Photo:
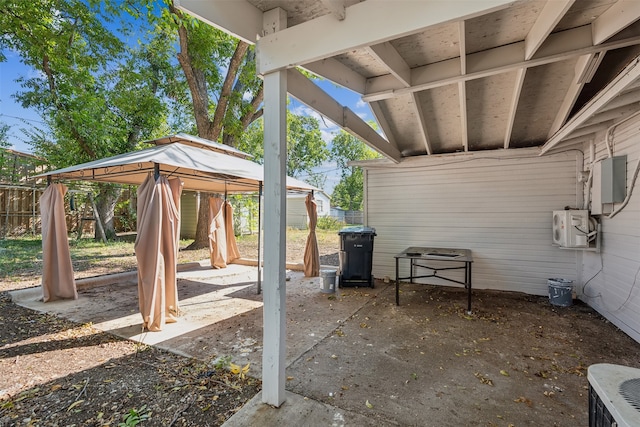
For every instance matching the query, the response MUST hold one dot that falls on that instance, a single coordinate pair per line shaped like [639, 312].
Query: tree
[224, 104]
[305, 147]
[97, 96]
[348, 193]
[4, 135]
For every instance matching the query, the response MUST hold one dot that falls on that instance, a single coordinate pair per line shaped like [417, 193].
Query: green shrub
[329, 223]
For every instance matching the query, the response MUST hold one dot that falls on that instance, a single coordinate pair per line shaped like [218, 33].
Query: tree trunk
[202, 226]
[106, 200]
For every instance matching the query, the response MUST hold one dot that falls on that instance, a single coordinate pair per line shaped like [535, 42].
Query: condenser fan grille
[630, 390]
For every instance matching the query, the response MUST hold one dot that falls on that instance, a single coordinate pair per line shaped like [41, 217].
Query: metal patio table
[424, 258]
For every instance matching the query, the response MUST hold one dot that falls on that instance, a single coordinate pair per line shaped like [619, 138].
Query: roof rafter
[307, 92]
[381, 118]
[463, 47]
[339, 73]
[419, 112]
[517, 89]
[549, 17]
[388, 56]
[561, 46]
[585, 67]
[627, 77]
[462, 96]
[616, 18]
[366, 23]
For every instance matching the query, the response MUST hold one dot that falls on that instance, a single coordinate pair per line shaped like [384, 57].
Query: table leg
[410, 270]
[468, 280]
[397, 284]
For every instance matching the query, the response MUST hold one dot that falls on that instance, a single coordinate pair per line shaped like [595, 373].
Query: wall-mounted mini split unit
[572, 228]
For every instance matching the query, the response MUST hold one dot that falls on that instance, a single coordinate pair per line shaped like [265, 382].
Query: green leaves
[348, 193]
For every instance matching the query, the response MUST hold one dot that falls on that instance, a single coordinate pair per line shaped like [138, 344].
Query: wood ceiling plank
[336, 7]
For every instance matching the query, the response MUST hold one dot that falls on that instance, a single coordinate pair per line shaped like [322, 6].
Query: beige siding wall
[497, 204]
[188, 214]
[296, 213]
[610, 280]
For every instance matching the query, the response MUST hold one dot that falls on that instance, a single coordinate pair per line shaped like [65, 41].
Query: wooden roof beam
[559, 47]
[615, 19]
[381, 118]
[585, 67]
[388, 56]
[238, 17]
[551, 14]
[627, 77]
[366, 23]
[417, 108]
[307, 92]
[339, 73]
[515, 97]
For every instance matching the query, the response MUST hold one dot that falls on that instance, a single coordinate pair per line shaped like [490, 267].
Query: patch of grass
[19, 255]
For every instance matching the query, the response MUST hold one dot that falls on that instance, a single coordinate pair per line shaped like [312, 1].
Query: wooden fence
[19, 210]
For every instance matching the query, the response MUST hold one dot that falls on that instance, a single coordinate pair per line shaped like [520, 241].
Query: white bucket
[328, 281]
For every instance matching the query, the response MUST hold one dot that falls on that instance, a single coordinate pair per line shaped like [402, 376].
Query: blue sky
[11, 112]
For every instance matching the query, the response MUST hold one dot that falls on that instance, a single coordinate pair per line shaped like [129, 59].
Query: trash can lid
[358, 229]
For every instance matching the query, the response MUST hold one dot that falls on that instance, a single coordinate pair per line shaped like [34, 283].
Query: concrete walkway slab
[297, 411]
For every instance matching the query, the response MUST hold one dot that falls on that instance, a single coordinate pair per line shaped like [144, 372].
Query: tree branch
[227, 88]
[195, 79]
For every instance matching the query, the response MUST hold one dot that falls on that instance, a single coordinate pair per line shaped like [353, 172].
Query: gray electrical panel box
[614, 179]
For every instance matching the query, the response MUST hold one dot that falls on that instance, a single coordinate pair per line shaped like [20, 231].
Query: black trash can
[356, 254]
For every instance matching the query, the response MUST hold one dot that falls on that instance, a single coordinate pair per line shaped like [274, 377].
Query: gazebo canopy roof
[200, 169]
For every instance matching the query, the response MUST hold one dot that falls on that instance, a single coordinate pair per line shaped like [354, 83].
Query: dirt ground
[56, 372]
[515, 361]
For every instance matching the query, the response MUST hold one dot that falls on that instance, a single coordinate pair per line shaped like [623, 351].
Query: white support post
[274, 286]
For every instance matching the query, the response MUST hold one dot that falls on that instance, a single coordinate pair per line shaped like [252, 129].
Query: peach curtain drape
[156, 250]
[311, 252]
[57, 270]
[223, 248]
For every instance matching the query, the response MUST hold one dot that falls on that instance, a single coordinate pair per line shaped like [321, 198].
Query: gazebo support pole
[274, 295]
[259, 238]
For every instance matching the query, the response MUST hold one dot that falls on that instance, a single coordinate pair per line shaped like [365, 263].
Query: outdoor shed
[493, 115]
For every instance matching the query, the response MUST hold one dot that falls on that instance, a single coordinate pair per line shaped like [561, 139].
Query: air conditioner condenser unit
[614, 395]
[571, 228]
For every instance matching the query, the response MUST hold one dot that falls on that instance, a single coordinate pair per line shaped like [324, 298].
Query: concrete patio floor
[355, 358]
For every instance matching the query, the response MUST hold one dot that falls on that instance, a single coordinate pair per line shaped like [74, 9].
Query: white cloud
[361, 103]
